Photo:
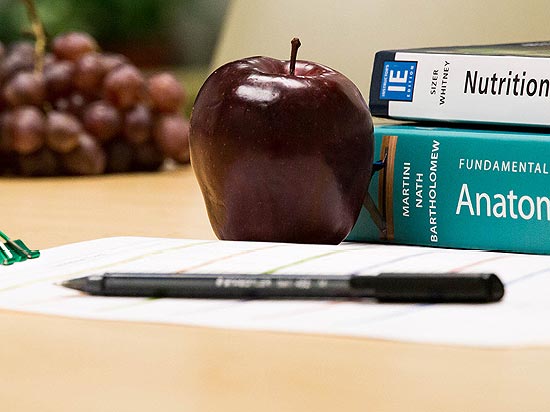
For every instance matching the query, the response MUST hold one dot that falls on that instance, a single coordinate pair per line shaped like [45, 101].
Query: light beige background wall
[346, 34]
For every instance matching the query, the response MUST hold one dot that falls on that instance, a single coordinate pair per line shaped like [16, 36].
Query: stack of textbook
[471, 169]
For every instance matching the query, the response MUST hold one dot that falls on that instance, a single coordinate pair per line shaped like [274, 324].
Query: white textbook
[520, 319]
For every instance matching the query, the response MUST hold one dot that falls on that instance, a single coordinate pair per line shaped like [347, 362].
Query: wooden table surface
[47, 212]
[332, 372]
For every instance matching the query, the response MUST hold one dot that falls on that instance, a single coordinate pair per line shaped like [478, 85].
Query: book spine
[379, 106]
[461, 88]
[459, 188]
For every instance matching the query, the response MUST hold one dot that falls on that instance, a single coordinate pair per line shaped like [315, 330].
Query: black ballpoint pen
[385, 287]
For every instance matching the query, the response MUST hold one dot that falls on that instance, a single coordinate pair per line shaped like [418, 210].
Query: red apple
[282, 150]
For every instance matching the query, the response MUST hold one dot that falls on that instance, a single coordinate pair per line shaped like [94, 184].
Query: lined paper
[520, 319]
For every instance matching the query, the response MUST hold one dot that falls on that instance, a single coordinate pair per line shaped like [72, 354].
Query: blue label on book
[398, 81]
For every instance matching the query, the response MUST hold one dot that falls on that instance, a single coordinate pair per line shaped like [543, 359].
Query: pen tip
[77, 284]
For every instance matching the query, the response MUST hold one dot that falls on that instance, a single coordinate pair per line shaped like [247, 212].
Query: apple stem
[295, 43]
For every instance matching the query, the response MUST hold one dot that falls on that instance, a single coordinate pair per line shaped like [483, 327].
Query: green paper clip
[18, 250]
[6, 257]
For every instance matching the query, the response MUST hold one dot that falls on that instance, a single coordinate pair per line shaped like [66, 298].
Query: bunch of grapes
[86, 112]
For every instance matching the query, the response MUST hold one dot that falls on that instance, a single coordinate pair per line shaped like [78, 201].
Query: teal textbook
[461, 188]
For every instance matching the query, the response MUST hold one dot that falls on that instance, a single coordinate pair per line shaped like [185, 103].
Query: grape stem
[39, 34]
[295, 44]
